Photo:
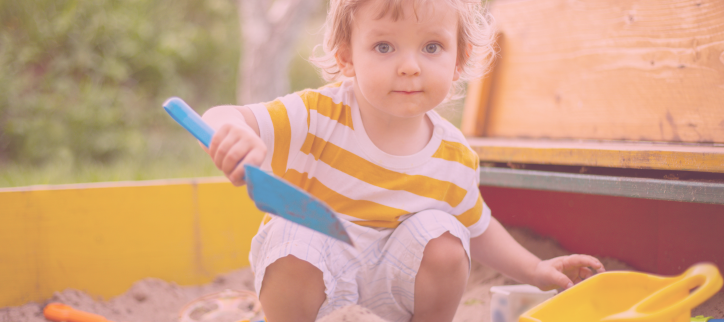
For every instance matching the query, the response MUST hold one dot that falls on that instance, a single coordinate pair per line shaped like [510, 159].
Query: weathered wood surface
[609, 70]
[477, 99]
[474, 111]
[687, 191]
[631, 155]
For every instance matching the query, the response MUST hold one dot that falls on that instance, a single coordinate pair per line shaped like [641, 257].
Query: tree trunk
[269, 32]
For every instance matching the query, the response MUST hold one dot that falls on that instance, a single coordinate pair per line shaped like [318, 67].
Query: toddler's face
[406, 67]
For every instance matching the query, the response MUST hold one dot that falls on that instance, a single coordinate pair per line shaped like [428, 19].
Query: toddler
[403, 180]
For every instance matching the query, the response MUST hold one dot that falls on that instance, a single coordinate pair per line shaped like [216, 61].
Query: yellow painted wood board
[477, 97]
[636, 155]
[474, 109]
[101, 238]
[629, 70]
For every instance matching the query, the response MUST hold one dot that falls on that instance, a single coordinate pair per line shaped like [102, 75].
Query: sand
[352, 313]
[148, 300]
[154, 300]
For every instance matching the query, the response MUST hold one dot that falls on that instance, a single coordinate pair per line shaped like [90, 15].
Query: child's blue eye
[383, 48]
[432, 48]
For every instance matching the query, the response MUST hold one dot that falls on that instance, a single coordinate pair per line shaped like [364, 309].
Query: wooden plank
[687, 191]
[703, 158]
[477, 99]
[473, 120]
[101, 238]
[641, 70]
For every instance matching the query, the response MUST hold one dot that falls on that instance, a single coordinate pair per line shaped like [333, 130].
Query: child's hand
[232, 146]
[564, 271]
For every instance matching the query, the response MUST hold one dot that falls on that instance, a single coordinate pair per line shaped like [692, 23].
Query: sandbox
[160, 301]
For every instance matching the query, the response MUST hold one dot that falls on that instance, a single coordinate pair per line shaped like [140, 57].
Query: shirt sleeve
[282, 128]
[479, 227]
[477, 217]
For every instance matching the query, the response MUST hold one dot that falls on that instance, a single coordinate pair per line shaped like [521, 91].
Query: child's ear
[456, 74]
[344, 61]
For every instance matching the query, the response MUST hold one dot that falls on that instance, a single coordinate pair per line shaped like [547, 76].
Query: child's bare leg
[292, 290]
[441, 279]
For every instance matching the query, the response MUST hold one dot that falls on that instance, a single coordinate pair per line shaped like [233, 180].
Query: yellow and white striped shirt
[316, 141]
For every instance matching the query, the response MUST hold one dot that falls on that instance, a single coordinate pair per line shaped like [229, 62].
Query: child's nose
[408, 66]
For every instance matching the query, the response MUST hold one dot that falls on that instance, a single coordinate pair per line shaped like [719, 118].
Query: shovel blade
[271, 194]
[275, 196]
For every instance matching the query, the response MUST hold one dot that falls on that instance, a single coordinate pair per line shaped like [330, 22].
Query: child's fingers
[237, 177]
[583, 261]
[561, 280]
[599, 268]
[254, 157]
[236, 154]
[584, 273]
[216, 140]
[221, 143]
[231, 147]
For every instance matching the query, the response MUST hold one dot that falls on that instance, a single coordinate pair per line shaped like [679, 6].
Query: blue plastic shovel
[270, 193]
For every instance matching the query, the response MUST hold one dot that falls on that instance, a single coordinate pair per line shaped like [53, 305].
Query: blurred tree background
[82, 83]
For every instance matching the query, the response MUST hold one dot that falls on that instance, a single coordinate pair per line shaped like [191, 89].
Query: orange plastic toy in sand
[225, 306]
[64, 313]
[630, 297]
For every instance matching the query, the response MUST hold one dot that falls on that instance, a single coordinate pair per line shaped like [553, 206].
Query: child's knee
[289, 274]
[293, 268]
[292, 289]
[445, 254]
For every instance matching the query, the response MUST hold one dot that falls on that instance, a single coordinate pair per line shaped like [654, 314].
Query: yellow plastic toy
[630, 297]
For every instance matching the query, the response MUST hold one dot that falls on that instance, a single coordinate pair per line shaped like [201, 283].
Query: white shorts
[378, 274]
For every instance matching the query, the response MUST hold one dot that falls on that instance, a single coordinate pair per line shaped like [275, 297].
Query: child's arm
[497, 249]
[236, 141]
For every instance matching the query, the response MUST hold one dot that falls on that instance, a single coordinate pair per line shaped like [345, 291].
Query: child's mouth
[407, 92]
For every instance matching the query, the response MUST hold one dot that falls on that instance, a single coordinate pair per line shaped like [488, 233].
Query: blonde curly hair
[476, 35]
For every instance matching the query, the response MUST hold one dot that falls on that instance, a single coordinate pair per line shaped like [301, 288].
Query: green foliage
[83, 81]
[163, 159]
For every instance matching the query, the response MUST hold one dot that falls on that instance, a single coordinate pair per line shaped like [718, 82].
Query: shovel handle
[63, 313]
[189, 119]
[705, 276]
[184, 115]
